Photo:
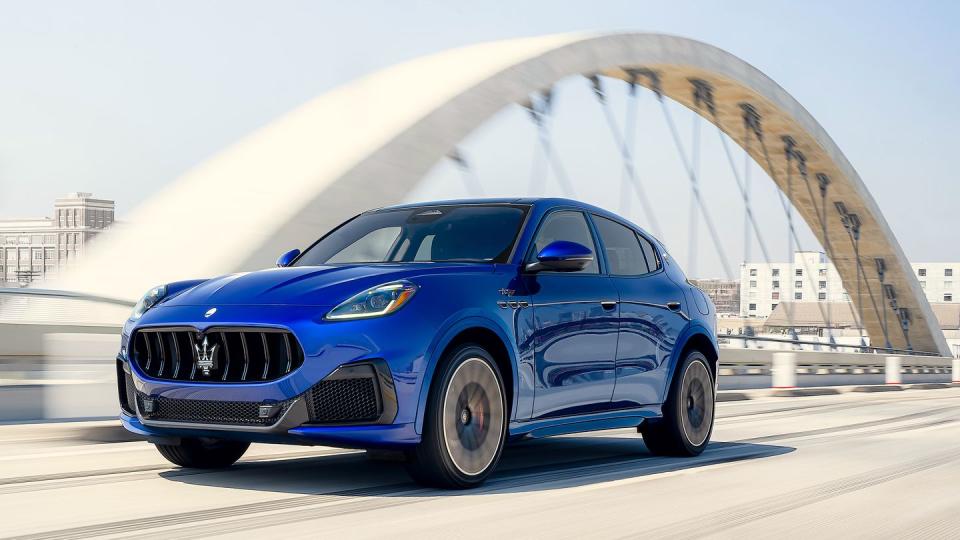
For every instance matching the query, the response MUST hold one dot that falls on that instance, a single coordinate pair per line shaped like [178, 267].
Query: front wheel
[465, 423]
[687, 421]
[203, 453]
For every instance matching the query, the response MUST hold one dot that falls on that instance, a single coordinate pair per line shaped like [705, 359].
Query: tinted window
[622, 248]
[569, 226]
[653, 261]
[469, 233]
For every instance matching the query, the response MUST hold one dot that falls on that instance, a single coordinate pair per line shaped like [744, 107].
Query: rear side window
[622, 248]
[653, 261]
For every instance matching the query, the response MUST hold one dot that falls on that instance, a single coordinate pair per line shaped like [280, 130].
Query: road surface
[851, 465]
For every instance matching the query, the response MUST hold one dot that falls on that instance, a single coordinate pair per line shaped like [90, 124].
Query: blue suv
[443, 330]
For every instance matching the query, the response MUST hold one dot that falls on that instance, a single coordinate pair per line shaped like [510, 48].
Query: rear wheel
[465, 422]
[687, 421]
[203, 453]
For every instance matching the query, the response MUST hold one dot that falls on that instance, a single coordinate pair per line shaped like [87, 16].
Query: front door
[575, 326]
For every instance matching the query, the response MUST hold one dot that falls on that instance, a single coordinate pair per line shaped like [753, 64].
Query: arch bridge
[369, 142]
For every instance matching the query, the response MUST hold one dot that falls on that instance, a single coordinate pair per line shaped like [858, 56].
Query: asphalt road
[851, 466]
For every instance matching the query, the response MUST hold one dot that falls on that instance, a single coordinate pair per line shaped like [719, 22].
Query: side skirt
[562, 425]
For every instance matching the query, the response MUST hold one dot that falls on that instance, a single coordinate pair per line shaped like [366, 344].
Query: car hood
[307, 285]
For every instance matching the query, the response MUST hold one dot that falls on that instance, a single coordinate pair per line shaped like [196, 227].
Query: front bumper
[393, 353]
[370, 436]
[314, 417]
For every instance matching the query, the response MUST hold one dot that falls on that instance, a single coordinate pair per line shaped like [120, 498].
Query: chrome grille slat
[193, 355]
[266, 355]
[159, 353]
[226, 350]
[176, 354]
[246, 357]
[286, 344]
[149, 356]
[163, 357]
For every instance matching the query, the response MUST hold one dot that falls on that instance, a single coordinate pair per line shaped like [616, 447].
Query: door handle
[608, 304]
[673, 306]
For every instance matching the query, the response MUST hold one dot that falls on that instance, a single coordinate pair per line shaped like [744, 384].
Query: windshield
[464, 233]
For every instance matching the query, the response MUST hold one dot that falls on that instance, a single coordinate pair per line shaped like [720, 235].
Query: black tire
[465, 422]
[203, 453]
[688, 413]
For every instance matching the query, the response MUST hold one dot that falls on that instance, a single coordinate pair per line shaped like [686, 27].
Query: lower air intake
[198, 411]
[350, 395]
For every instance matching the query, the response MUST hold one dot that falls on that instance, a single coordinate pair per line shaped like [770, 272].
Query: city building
[39, 249]
[810, 277]
[724, 293]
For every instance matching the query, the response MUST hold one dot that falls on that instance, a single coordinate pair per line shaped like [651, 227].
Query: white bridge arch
[368, 143]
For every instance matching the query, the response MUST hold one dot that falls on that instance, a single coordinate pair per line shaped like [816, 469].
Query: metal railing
[799, 344]
[68, 295]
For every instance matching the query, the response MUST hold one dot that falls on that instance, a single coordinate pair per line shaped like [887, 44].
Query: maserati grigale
[440, 330]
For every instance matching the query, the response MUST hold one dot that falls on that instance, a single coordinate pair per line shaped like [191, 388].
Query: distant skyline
[120, 98]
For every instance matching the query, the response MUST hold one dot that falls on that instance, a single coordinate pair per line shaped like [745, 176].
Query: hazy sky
[120, 97]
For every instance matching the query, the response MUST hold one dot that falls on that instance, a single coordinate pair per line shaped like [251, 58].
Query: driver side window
[570, 226]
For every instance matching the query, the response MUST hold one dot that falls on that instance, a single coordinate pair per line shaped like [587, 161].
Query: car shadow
[526, 466]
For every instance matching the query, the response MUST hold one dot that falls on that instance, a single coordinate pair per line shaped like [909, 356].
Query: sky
[119, 98]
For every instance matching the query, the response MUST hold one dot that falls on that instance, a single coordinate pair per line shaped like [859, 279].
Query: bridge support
[893, 371]
[784, 370]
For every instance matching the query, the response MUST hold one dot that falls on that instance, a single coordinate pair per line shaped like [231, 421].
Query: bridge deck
[822, 466]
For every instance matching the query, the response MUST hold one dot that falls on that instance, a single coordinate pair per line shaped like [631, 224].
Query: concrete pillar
[956, 370]
[892, 370]
[784, 370]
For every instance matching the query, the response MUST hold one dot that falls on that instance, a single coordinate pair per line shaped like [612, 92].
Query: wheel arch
[484, 332]
[697, 337]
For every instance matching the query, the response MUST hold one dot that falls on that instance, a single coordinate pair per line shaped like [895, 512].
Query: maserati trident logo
[206, 356]
[209, 312]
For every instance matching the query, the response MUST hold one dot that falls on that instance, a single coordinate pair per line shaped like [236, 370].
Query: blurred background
[146, 142]
[107, 106]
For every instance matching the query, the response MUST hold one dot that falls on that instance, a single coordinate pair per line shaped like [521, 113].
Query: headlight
[149, 300]
[374, 302]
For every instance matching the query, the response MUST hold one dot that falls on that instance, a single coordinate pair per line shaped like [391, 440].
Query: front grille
[349, 395]
[231, 354]
[200, 411]
[125, 389]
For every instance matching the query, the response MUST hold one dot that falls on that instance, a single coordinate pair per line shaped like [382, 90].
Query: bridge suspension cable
[624, 144]
[752, 119]
[540, 109]
[467, 173]
[694, 226]
[694, 185]
[851, 222]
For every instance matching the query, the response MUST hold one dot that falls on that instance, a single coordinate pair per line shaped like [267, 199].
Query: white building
[38, 249]
[810, 277]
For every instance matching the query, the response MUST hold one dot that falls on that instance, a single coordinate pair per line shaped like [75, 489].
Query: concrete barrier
[784, 370]
[74, 376]
[893, 371]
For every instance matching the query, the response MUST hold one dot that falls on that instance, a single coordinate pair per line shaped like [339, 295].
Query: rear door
[648, 325]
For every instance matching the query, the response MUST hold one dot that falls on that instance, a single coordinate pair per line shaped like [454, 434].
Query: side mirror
[562, 256]
[288, 258]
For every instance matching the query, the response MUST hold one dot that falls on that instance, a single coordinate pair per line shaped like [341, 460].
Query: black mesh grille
[345, 400]
[126, 389]
[230, 355]
[202, 411]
